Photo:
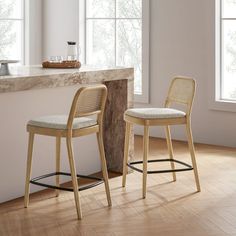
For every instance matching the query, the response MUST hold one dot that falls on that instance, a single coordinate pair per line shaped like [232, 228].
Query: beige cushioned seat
[155, 113]
[60, 122]
[181, 92]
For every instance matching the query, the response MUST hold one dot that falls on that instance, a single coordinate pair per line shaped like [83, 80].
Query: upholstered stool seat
[155, 113]
[181, 92]
[85, 117]
[60, 122]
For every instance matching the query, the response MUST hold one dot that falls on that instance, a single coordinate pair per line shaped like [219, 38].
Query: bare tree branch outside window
[114, 35]
[228, 47]
[10, 29]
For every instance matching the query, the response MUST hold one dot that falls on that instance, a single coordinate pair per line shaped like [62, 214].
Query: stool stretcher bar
[36, 179]
[188, 167]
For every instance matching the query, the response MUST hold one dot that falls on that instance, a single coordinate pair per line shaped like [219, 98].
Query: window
[115, 33]
[11, 29]
[228, 50]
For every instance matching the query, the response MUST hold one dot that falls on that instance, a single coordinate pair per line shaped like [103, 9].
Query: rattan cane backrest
[88, 101]
[181, 91]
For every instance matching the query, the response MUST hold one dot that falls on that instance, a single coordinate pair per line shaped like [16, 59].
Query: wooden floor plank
[171, 208]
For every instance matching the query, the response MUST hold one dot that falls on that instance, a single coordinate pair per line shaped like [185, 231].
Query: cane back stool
[181, 91]
[85, 117]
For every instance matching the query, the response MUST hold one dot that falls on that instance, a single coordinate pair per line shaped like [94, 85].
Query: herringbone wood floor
[170, 209]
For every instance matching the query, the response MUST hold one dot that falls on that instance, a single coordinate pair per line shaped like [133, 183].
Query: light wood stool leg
[126, 152]
[58, 166]
[73, 176]
[145, 158]
[104, 166]
[28, 168]
[170, 150]
[192, 152]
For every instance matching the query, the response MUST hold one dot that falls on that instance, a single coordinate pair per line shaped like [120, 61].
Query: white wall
[59, 26]
[181, 43]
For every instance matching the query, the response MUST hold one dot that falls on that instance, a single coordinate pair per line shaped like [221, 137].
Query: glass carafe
[72, 51]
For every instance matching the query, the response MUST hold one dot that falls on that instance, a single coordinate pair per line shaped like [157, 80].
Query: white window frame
[139, 98]
[22, 20]
[215, 101]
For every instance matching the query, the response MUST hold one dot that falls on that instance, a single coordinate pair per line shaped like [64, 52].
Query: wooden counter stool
[181, 91]
[88, 101]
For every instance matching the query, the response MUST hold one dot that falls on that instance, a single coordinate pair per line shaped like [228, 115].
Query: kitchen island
[32, 92]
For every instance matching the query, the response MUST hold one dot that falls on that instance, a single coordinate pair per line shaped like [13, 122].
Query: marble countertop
[36, 77]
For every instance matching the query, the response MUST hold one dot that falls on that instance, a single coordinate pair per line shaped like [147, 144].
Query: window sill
[223, 105]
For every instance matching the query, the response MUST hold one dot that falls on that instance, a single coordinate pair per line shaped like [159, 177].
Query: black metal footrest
[36, 179]
[188, 167]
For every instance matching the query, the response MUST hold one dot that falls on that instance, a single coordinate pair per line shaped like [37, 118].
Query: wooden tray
[61, 65]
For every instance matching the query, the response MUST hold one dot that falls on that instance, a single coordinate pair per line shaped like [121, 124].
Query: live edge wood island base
[34, 91]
